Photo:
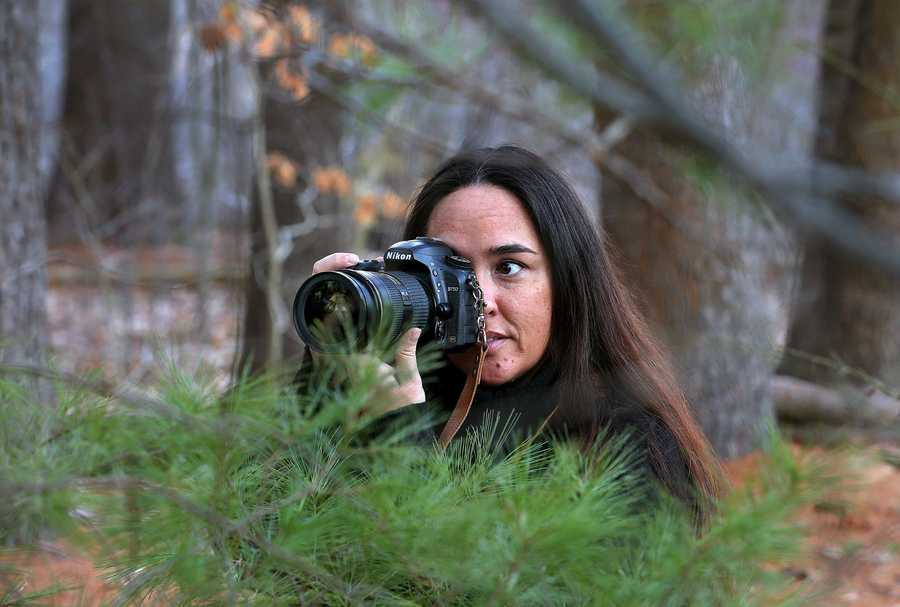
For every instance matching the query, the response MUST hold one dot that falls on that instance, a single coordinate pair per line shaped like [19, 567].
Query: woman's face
[488, 225]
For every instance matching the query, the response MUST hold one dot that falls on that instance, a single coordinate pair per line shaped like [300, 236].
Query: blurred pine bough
[263, 497]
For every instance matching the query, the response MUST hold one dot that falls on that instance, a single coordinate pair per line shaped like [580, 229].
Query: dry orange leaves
[393, 206]
[334, 180]
[212, 37]
[271, 35]
[275, 36]
[256, 19]
[368, 206]
[228, 18]
[346, 46]
[305, 25]
[366, 209]
[268, 42]
[283, 169]
[226, 28]
[291, 81]
[331, 180]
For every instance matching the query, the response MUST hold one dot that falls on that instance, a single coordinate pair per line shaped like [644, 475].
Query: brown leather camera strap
[473, 361]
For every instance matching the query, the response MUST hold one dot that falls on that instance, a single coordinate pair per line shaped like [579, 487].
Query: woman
[567, 349]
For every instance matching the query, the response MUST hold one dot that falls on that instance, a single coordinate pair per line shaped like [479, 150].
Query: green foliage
[263, 497]
[27, 452]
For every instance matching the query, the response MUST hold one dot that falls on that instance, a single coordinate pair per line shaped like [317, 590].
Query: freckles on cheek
[499, 364]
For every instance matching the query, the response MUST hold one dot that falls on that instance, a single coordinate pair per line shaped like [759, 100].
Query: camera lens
[333, 305]
[334, 310]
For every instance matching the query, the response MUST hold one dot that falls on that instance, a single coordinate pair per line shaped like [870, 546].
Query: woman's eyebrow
[507, 249]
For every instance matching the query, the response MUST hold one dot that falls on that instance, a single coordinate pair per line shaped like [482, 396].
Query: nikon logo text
[398, 256]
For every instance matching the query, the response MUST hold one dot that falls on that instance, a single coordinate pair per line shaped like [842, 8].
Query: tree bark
[713, 267]
[52, 61]
[23, 245]
[848, 311]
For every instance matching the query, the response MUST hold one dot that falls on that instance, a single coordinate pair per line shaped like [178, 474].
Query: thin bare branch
[828, 179]
[277, 308]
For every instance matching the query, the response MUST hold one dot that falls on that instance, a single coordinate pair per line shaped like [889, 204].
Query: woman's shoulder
[659, 451]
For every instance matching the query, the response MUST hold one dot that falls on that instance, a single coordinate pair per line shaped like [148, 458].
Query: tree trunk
[23, 245]
[848, 312]
[714, 267]
[116, 178]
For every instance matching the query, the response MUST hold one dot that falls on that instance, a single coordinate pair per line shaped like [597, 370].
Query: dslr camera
[421, 283]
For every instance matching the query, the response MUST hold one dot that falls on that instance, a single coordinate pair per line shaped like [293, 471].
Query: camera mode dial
[371, 265]
[458, 261]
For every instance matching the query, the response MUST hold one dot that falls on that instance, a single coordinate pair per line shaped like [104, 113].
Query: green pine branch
[265, 497]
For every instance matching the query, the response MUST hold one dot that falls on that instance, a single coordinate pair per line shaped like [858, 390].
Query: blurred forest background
[170, 170]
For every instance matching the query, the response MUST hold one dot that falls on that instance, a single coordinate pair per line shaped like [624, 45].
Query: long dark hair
[599, 341]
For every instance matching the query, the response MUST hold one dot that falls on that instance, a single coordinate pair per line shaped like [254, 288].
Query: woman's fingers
[335, 261]
[405, 359]
[386, 377]
[409, 389]
[398, 385]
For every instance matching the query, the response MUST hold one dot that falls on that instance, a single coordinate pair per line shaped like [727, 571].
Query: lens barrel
[354, 308]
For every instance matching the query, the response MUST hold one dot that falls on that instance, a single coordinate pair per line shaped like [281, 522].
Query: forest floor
[147, 307]
[852, 550]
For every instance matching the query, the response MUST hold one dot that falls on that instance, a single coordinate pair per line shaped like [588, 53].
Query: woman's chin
[497, 369]
[491, 375]
[492, 381]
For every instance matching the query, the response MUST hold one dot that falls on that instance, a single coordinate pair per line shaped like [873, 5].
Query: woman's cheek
[540, 319]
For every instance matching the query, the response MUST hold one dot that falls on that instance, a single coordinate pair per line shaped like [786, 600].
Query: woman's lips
[495, 342]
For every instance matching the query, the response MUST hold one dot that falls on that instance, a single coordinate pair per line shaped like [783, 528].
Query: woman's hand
[335, 261]
[400, 385]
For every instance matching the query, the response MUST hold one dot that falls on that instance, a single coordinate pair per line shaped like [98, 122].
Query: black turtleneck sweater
[526, 404]
[529, 404]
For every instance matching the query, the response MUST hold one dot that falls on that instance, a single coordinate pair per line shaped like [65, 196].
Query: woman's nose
[490, 295]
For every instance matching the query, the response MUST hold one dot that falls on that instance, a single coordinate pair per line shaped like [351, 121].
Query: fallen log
[823, 434]
[801, 400]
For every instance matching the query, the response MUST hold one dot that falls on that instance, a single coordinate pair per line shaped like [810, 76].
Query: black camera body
[421, 283]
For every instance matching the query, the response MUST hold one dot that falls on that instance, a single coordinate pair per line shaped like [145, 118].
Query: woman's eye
[508, 268]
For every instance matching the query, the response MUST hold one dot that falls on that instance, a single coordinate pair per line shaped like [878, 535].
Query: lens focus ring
[405, 303]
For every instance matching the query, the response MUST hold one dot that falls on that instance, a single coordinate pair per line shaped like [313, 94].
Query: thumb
[405, 360]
